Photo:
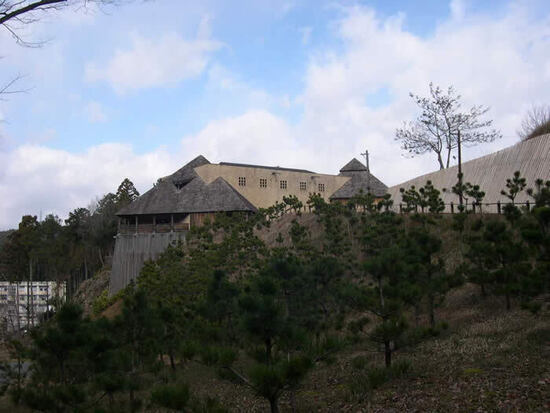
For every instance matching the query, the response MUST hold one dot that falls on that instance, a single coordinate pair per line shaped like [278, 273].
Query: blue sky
[138, 90]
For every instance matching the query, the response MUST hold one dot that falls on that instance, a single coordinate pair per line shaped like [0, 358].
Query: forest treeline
[71, 250]
[264, 316]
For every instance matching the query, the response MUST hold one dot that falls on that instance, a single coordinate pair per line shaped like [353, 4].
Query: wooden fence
[476, 208]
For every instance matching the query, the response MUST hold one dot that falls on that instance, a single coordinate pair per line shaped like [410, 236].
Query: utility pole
[460, 177]
[366, 155]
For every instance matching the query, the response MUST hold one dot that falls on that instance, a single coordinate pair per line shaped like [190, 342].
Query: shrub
[359, 362]
[535, 123]
[100, 303]
[171, 396]
[378, 376]
[400, 368]
[103, 301]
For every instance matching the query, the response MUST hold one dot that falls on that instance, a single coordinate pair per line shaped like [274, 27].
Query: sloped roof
[185, 192]
[353, 165]
[360, 181]
[531, 157]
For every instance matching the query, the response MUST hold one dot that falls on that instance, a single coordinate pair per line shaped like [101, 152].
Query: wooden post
[498, 207]
[400, 208]
[474, 207]
[137, 223]
[452, 208]
[154, 223]
[118, 224]
[171, 222]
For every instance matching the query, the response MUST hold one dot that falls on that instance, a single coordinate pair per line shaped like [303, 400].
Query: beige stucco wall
[265, 197]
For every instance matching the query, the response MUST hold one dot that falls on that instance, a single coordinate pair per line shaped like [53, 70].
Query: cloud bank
[156, 62]
[354, 95]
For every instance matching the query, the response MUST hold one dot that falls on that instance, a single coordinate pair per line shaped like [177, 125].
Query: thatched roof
[353, 165]
[361, 180]
[185, 192]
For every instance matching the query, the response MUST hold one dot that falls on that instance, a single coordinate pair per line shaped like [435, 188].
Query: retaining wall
[132, 250]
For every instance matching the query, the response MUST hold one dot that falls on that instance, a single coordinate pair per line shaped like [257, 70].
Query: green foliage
[425, 198]
[101, 302]
[362, 383]
[514, 186]
[171, 396]
[265, 317]
[72, 250]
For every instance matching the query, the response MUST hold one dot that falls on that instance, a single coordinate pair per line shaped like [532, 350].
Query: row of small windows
[283, 184]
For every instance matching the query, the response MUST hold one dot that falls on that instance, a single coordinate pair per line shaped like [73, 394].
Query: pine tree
[385, 263]
[126, 193]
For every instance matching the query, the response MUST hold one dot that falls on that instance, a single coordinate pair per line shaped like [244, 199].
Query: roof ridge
[353, 165]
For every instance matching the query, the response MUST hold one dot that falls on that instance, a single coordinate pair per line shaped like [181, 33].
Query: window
[242, 181]
[263, 183]
[282, 184]
[321, 187]
[303, 186]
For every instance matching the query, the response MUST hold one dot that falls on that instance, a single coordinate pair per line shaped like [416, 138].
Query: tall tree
[126, 193]
[442, 124]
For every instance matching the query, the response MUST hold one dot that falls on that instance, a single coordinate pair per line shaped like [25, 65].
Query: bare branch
[8, 88]
[14, 12]
[18, 13]
[436, 128]
[536, 122]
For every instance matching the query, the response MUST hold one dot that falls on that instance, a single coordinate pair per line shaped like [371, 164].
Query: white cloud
[35, 179]
[257, 136]
[222, 80]
[500, 62]
[95, 112]
[156, 62]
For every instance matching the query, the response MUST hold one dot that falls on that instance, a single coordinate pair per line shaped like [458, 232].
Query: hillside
[487, 361]
[476, 356]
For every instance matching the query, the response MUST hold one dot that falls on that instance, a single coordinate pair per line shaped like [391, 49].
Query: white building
[22, 304]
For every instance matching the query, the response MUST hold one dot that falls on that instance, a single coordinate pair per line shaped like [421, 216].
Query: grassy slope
[489, 360]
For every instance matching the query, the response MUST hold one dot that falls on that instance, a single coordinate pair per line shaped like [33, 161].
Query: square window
[263, 183]
[321, 187]
[242, 181]
[303, 186]
[282, 184]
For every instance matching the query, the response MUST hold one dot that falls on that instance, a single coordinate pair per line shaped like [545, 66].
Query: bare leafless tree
[15, 14]
[536, 122]
[442, 124]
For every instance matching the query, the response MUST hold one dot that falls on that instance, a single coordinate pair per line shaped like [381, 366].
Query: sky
[138, 90]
